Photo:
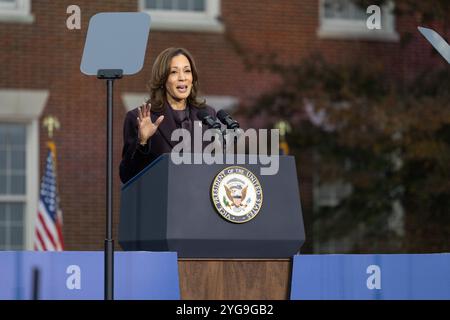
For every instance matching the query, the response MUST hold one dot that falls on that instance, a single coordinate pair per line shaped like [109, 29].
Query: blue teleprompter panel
[80, 275]
[371, 277]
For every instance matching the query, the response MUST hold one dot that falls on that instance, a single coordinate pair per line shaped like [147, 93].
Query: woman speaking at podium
[173, 104]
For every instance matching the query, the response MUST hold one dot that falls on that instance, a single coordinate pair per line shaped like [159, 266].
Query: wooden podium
[235, 279]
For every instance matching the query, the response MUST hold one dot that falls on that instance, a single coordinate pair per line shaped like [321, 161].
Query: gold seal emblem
[237, 194]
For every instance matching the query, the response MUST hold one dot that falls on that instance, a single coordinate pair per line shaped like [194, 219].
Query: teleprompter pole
[109, 76]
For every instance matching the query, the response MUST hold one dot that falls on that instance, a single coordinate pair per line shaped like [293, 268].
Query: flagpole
[52, 146]
[50, 123]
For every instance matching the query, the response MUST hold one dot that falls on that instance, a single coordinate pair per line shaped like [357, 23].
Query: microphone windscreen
[222, 114]
[202, 114]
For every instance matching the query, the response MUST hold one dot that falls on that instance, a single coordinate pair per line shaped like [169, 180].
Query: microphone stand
[224, 138]
[224, 144]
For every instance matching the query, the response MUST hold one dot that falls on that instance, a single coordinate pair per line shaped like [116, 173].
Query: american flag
[48, 233]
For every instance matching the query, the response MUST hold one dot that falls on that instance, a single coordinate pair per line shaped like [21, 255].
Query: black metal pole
[35, 284]
[109, 75]
[109, 242]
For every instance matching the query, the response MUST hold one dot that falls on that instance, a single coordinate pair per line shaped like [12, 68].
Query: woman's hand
[146, 128]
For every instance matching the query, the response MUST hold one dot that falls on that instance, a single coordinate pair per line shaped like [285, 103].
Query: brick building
[40, 76]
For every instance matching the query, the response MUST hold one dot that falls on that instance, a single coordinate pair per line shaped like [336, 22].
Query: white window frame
[333, 28]
[20, 12]
[8, 6]
[28, 199]
[26, 106]
[178, 20]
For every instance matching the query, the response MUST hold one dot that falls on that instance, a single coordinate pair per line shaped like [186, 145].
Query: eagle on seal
[236, 196]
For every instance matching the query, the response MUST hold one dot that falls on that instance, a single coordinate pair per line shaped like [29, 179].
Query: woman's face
[179, 82]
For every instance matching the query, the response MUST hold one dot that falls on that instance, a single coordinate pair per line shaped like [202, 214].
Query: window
[184, 15]
[181, 5]
[16, 11]
[342, 19]
[19, 165]
[12, 185]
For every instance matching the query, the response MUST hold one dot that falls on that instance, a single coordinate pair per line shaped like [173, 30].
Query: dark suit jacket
[134, 156]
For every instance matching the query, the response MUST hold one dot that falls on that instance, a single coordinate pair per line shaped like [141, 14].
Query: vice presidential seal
[237, 194]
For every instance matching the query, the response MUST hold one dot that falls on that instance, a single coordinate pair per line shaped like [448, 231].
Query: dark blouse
[136, 157]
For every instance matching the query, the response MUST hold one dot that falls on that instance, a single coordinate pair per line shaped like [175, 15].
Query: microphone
[206, 118]
[226, 119]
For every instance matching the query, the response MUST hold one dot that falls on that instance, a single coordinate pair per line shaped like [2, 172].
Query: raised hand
[146, 128]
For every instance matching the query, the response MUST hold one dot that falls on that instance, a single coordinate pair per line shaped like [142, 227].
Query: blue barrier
[80, 275]
[154, 275]
[367, 277]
